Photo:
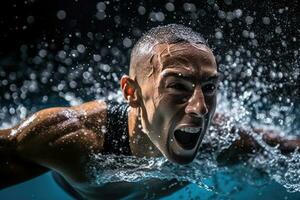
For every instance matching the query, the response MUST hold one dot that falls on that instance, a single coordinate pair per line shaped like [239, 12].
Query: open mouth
[187, 137]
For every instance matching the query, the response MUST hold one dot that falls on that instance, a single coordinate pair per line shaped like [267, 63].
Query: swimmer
[171, 100]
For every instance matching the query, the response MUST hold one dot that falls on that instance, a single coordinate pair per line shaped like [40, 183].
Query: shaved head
[141, 64]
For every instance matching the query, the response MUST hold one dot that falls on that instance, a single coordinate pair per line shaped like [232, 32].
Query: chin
[182, 160]
[181, 154]
[178, 158]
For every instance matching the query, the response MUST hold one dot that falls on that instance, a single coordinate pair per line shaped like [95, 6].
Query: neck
[140, 144]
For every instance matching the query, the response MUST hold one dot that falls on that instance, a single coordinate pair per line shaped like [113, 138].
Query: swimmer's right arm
[13, 169]
[60, 139]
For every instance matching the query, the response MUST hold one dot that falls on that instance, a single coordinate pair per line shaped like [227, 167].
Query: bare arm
[12, 168]
[246, 145]
[57, 138]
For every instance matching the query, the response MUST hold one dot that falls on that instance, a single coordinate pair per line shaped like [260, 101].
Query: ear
[129, 89]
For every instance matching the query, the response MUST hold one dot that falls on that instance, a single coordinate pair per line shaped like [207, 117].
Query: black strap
[117, 138]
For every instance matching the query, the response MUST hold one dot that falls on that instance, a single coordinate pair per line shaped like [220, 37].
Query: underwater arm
[60, 139]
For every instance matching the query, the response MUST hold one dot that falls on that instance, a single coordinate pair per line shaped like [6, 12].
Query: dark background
[41, 62]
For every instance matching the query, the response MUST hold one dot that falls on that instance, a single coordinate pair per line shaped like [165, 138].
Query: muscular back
[60, 139]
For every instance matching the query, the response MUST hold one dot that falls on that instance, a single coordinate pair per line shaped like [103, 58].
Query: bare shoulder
[84, 112]
[90, 115]
[61, 138]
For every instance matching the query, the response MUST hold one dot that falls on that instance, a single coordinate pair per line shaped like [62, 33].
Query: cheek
[169, 103]
[211, 104]
[148, 98]
[152, 102]
[168, 110]
[175, 99]
[162, 111]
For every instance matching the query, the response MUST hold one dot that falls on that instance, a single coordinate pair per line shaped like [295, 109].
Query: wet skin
[180, 92]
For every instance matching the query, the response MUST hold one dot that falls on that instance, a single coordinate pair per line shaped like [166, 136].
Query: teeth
[190, 130]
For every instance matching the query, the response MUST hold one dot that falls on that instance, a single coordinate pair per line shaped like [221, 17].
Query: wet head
[175, 97]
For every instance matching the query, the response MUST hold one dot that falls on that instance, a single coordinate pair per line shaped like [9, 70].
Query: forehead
[185, 56]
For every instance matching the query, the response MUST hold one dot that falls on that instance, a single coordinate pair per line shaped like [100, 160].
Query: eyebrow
[191, 78]
[214, 77]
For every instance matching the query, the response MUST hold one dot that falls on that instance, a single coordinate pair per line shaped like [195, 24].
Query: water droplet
[249, 20]
[81, 48]
[61, 14]
[101, 6]
[141, 10]
[170, 7]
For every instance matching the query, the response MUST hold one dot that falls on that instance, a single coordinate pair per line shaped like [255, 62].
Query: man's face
[179, 98]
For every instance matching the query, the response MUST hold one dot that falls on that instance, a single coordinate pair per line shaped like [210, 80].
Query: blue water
[45, 188]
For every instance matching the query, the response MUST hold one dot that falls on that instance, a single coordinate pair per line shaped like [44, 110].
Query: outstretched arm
[57, 138]
[286, 145]
[12, 168]
[247, 145]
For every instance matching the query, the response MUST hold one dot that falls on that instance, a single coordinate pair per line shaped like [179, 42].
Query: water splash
[111, 168]
[257, 171]
[259, 88]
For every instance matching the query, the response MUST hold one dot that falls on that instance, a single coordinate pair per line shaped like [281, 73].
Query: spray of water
[84, 69]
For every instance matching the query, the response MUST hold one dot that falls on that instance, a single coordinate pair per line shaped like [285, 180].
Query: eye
[177, 86]
[209, 89]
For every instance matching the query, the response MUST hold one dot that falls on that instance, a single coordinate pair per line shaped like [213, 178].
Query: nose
[196, 105]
